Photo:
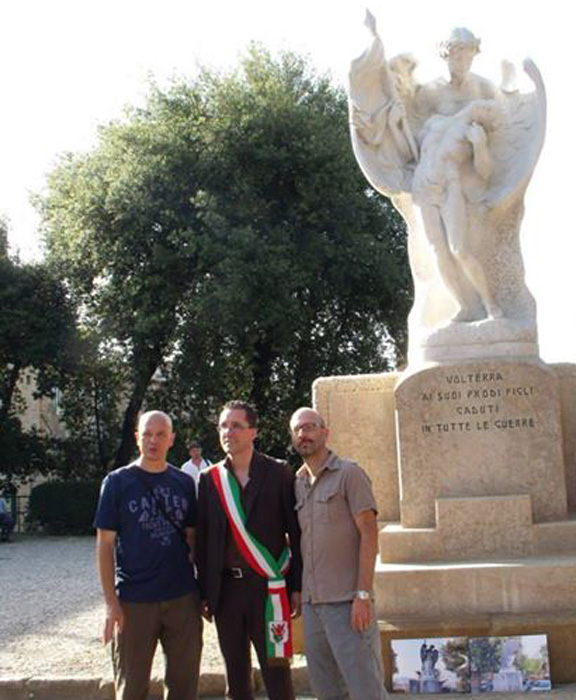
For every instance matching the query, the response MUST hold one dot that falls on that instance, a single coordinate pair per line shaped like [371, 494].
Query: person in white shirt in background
[196, 463]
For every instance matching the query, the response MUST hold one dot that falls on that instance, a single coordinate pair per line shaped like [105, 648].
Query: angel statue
[455, 156]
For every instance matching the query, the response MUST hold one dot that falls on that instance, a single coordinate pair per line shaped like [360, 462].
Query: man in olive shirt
[339, 542]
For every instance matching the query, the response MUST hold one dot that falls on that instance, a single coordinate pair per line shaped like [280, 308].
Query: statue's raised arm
[382, 137]
[455, 155]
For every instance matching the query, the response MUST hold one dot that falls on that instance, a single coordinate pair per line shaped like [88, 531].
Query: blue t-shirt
[152, 563]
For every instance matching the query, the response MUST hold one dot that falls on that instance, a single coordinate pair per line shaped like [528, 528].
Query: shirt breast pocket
[330, 506]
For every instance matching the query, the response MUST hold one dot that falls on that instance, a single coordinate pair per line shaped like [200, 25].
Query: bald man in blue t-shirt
[145, 525]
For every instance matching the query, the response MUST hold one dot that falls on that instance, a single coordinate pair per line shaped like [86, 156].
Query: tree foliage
[221, 242]
[91, 409]
[455, 658]
[37, 334]
[485, 654]
[64, 508]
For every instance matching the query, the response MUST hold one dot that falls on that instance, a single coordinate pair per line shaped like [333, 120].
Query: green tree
[224, 241]
[37, 334]
[3, 239]
[121, 229]
[91, 409]
[307, 267]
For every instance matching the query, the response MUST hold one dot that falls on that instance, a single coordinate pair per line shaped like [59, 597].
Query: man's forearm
[106, 550]
[367, 555]
[106, 568]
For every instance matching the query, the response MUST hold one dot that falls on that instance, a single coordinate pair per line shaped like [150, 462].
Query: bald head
[309, 435]
[154, 438]
[158, 415]
[306, 414]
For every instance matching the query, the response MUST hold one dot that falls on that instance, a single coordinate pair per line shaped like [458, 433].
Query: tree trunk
[7, 392]
[126, 450]
[97, 425]
[260, 393]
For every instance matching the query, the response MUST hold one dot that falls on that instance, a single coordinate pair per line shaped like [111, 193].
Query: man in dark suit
[246, 519]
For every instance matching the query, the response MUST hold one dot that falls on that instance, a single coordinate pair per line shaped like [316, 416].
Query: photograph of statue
[510, 664]
[455, 155]
[438, 665]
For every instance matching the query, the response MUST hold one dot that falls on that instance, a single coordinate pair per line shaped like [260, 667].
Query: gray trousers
[177, 625]
[342, 664]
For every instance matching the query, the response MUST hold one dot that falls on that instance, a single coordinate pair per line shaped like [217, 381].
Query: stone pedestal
[430, 686]
[474, 469]
[507, 681]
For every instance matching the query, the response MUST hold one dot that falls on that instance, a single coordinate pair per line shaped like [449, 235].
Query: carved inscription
[477, 401]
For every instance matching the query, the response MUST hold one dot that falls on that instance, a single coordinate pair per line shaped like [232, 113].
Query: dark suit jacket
[270, 517]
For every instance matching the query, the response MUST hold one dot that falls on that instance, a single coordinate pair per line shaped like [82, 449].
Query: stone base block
[13, 689]
[360, 413]
[474, 528]
[480, 429]
[560, 628]
[297, 636]
[556, 538]
[447, 589]
[478, 528]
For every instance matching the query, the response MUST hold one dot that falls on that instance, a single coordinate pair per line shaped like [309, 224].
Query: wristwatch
[363, 595]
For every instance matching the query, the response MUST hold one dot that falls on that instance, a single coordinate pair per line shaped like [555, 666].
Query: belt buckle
[236, 572]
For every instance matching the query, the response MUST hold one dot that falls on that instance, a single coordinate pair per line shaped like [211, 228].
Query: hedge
[64, 507]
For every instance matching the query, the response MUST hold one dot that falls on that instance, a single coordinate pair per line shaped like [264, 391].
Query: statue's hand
[508, 84]
[476, 134]
[370, 22]
[397, 112]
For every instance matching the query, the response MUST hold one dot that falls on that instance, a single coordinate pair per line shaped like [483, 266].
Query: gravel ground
[51, 614]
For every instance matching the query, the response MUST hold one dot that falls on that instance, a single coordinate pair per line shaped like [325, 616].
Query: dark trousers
[239, 621]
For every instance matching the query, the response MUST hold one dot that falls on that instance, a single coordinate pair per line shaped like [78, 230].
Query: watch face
[363, 595]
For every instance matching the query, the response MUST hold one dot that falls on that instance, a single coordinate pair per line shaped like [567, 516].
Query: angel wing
[517, 143]
[381, 136]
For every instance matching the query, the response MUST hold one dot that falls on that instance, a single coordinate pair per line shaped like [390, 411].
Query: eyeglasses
[306, 428]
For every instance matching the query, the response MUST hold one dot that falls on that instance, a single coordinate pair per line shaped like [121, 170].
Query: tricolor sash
[277, 623]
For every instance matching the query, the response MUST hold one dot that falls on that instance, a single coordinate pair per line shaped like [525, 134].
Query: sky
[69, 65]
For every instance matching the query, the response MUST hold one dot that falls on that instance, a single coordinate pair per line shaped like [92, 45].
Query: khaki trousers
[342, 664]
[177, 625]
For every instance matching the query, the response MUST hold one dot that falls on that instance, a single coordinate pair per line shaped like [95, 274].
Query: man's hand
[295, 604]
[361, 615]
[204, 611]
[114, 620]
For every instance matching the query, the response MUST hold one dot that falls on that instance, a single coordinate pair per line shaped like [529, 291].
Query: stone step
[557, 538]
[398, 544]
[510, 585]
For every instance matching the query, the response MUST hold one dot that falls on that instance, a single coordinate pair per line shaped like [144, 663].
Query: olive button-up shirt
[330, 543]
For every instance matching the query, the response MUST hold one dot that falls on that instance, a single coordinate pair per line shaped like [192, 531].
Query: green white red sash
[278, 627]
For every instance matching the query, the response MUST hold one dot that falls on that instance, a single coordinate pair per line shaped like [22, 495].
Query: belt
[236, 572]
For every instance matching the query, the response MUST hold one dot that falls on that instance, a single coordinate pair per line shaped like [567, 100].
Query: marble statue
[455, 156]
